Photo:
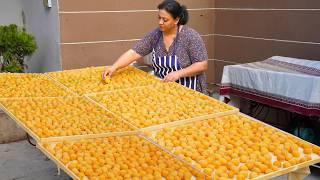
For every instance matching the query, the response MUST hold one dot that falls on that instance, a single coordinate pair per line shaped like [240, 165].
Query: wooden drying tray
[169, 124]
[291, 168]
[99, 67]
[266, 176]
[73, 176]
[22, 125]
[53, 78]
[59, 164]
[53, 81]
[100, 135]
[61, 138]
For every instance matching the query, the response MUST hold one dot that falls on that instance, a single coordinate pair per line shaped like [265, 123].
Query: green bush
[15, 44]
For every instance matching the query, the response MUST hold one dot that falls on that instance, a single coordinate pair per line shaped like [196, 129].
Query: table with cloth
[287, 83]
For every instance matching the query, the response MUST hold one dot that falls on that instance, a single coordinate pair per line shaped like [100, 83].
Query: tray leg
[58, 171]
[299, 174]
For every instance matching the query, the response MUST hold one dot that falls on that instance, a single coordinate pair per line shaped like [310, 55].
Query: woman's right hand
[108, 72]
[124, 60]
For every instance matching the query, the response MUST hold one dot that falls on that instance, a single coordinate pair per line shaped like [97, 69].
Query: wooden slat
[87, 136]
[27, 98]
[188, 121]
[106, 109]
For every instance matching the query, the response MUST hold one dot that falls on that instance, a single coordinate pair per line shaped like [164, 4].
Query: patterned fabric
[292, 81]
[295, 67]
[190, 49]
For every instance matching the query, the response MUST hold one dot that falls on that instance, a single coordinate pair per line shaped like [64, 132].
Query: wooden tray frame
[86, 136]
[72, 137]
[262, 177]
[169, 124]
[143, 138]
[291, 168]
[22, 125]
[68, 91]
[139, 131]
[91, 93]
[190, 120]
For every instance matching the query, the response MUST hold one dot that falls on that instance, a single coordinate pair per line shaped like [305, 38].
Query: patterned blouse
[189, 49]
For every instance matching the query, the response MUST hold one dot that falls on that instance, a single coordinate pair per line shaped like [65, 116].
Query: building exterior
[74, 34]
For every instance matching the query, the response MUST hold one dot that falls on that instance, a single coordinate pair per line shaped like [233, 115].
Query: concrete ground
[21, 161]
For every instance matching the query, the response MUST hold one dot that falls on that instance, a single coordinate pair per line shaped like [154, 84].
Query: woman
[179, 54]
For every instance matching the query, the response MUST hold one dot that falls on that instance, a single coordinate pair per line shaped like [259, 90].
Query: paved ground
[21, 161]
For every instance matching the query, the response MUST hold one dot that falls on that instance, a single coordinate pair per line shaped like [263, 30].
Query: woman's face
[166, 21]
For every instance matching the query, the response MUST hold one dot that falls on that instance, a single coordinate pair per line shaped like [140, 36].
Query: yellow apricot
[307, 150]
[124, 157]
[29, 85]
[48, 117]
[87, 80]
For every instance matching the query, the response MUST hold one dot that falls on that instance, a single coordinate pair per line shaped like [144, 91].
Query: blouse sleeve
[197, 49]
[145, 45]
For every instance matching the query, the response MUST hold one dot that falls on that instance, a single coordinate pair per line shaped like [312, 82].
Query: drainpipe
[1, 62]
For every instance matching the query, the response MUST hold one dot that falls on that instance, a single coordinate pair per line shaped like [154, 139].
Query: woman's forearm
[126, 58]
[194, 69]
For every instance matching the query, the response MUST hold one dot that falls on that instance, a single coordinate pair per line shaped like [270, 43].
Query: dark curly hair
[176, 10]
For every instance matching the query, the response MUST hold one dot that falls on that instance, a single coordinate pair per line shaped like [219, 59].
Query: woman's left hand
[172, 77]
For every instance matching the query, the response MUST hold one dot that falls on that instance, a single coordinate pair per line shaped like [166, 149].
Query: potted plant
[15, 44]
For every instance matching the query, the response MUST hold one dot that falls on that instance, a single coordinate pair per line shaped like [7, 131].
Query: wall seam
[221, 60]
[191, 9]
[268, 39]
[204, 35]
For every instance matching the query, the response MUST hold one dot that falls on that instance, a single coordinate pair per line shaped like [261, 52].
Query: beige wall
[251, 30]
[97, 32]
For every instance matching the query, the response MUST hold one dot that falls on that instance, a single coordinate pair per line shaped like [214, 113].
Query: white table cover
[291, 79]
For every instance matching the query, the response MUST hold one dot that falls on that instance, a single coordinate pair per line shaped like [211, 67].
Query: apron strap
[175, 42]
